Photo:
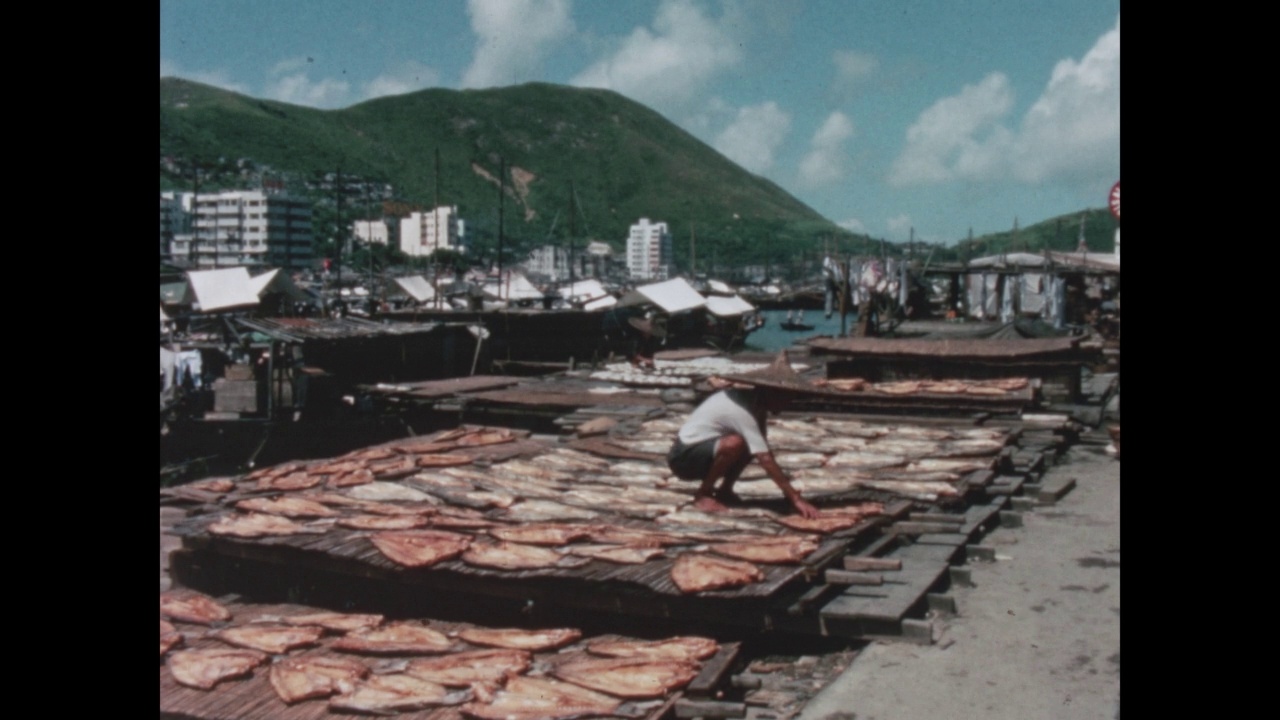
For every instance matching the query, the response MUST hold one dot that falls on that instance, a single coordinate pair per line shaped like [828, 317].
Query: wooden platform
[253, 698]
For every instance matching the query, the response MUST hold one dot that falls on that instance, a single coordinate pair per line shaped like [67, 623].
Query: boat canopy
[717, 286]
[728, 306]
[277, 281]
[417, 287]
[672, 296]
[512, 286]
[590, 293]
[222, 289]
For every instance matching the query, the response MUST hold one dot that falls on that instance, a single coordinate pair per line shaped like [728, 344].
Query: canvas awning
[512, 286]
[222, 289]
[719, 287]
[417, 287]
[672, 296]
[277, 281]
[728, 306]
[590, 293]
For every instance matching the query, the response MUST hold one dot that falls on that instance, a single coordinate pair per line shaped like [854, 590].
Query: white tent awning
[417, 287]
[728, 306]
[512, 286]
[222, 289]
[673, 296]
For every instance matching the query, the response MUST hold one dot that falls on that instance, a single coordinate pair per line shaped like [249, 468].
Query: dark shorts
[692, 462]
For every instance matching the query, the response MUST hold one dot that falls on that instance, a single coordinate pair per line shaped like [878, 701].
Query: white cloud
[289, 82]
[515, 36]
[1071, 131]
[941, 144]
[825, 162]
[407, 78]
[754, 135]
[669, 66]
[853, 225]
[899, 225]
[852, 69]
[1074, 127]
[216, 78]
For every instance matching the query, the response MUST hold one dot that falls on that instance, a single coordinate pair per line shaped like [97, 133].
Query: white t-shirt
[721, 414]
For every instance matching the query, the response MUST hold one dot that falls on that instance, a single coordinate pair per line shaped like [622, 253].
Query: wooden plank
[887, 603]
[907, 527]
[936, 518]
[953, 539]
[713, 671]
[847, 577]
[709, 709]
[922, 552]
[870, 563]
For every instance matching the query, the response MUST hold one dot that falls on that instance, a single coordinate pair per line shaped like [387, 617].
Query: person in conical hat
[729, 428]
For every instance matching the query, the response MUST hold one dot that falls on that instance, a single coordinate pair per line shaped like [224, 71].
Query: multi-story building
[175, 219]
[649, 251]
[370, 231]
[549, 261]
[422, 233]
[250, 228]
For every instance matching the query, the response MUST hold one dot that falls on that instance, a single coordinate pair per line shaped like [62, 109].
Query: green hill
[625, 161]
[1058, 233]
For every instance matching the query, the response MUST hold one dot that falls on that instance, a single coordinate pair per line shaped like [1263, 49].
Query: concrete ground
[1038, 636]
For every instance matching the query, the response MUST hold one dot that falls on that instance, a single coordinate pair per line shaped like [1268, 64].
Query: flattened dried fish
[687, 647]
[526, 698]
[516, 639]
[391, 694]
[631, 678]
[317, 676]
[338, 622]
[621, 554]
[288, 505]
[204, 669]
[169, 637]
[255, 525]
[476, 666]
[510, 556]
[273, 639]
[421, 548]
[395, 639]
[192, 607]
[550, 534]
[694, 572]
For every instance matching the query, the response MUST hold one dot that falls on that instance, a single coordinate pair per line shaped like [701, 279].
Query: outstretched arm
[770, 465]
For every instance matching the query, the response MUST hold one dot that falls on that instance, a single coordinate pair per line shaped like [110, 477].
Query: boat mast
[502, 182]
[573, 231]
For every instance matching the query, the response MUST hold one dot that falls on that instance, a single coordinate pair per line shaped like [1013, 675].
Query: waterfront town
[541, 360]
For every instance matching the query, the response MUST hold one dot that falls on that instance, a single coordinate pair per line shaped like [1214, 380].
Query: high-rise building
[249, 228]
[422, 233]
[649, 251]
[175, 219]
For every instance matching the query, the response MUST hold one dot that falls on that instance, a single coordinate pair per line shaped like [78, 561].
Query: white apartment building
[175, 219]
[549, 261]
[370, 231]
[422, 233]
[249, 228]
[649, 251]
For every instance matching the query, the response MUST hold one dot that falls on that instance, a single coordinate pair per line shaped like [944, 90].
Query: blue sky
[883, 115]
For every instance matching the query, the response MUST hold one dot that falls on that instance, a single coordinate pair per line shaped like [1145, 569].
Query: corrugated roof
[673, 296]
[222, 289]
[417, 287]
[728, 306]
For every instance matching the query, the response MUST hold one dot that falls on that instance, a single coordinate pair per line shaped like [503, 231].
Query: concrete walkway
[1038, 636]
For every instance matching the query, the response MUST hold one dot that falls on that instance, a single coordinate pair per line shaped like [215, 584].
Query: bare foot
[708, 504]
[728, 498]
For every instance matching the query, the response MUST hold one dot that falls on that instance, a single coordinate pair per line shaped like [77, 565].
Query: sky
[894, 118]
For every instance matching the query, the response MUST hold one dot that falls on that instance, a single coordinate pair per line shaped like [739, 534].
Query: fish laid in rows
[203, 669]
[255, 525]
[476, 666]
[773, 553]
[631, 678]
[516, 639]
[526, 698]
[550, 534]
[300, 480]
[510, 556]
[269, 638]
[169, 637]
[317, 676]
[546, 511]
[865, 460]
[382, 522]
[337, 622]
[421, 548]
[391, 694]
[695, 572]
[395, 639]
[381, 491]
[290, 506]
[620, 554]
[192, 607]
[689, 647]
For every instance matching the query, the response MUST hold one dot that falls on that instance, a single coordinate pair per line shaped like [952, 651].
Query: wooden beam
[710, 709]
[847, 577]
[871, 563]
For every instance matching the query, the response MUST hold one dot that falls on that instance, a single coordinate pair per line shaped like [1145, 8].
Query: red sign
[1113, 200]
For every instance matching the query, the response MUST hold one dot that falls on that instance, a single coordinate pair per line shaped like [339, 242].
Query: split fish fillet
[630, 678]
[304, 678]
[383, 522]
[204, 669]
[526, 698]
[510, 556]
[288, 506]
[550, 534]
[395, 639]
[476, 666]
[621, 554]
[273, 639]
[770, 553]
[192, 608]
[258, 525]
[169, 636]
[337, 622]
[293, 481]
[694, 572]
[389, 694]
[421, 548]
[516, 639]
[688, 647]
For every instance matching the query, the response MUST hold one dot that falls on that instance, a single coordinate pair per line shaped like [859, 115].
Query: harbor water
[773, 337]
